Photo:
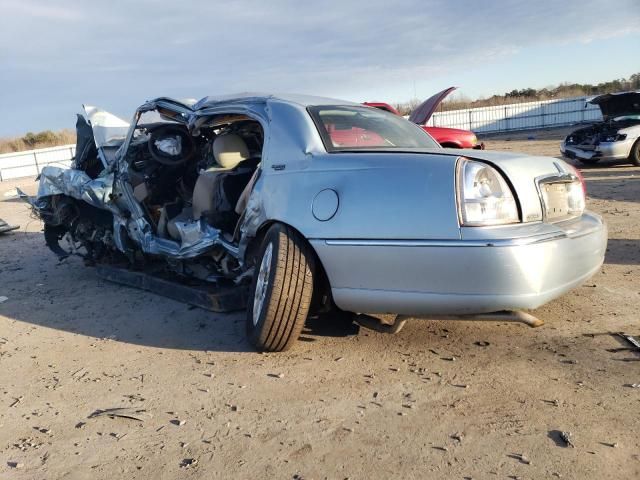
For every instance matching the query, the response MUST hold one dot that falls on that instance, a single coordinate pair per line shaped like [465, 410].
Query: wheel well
[450, 145]
[634, 153]
[255, 242]
[322, 298]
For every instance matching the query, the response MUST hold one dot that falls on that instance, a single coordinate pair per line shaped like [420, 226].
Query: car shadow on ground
[627, 190]
[608, 164]
[327, 325]
[616, 182]
[70, 297]
[613, 170]
[623, 251]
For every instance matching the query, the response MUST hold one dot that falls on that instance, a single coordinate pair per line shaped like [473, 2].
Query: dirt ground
[439, 400]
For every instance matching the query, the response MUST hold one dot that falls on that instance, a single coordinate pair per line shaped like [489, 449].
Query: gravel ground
[439, 400]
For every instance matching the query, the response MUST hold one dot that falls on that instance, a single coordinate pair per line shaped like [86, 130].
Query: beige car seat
[229, 150]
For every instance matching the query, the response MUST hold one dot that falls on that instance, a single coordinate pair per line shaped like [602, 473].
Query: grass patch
[32, 141]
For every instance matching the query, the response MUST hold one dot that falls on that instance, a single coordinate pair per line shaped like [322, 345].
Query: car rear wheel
[634, 156]
[281, 290]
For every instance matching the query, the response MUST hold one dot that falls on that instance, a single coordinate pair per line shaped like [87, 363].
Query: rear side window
[353, 128]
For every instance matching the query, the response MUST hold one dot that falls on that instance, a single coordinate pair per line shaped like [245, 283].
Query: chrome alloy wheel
[262, 283]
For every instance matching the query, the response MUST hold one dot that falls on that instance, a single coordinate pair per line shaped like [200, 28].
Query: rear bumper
[465, 276]
[604, 151]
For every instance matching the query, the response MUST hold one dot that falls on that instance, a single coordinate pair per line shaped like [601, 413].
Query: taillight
[484, 197]
[581, 177]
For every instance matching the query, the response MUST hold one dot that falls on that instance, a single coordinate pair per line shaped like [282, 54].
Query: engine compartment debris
[160, 197]
[612, 139]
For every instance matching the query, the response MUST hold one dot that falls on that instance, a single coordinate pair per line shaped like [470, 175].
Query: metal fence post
[542, 113]
[470, 128]
[35, 159]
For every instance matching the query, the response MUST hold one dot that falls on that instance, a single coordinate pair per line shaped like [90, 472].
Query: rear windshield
[353, 128]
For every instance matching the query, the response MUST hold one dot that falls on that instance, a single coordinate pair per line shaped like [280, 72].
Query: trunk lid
[526, 175]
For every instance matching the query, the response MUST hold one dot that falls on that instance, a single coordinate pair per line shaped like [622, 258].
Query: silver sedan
[310, 204]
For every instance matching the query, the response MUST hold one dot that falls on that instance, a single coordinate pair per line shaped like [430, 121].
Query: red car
[447, 137]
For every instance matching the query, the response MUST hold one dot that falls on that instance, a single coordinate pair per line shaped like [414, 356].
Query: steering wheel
[188, 145]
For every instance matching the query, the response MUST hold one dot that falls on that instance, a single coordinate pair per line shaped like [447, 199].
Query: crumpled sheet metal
[254, 217]
[197, 238]
[107, 128]
[76, 184]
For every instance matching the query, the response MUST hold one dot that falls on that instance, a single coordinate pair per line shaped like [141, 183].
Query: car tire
[634, 155]
[589, 161]
[281, 290]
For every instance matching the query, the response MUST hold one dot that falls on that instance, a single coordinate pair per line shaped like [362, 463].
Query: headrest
[229, 150]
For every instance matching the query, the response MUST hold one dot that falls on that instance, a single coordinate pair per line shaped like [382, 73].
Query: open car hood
[618, 104]
[423, 112]
[107, 128]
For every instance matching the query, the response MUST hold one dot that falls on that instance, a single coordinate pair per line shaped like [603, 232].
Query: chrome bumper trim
[510, 242]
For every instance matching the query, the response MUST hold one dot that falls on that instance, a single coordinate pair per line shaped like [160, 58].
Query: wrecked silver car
[617, 137]
[295, 205]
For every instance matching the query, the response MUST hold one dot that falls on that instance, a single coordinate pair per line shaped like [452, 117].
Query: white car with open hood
[617, 137]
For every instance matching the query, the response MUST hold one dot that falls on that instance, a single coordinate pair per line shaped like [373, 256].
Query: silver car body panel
[462, 277]
[394, 242]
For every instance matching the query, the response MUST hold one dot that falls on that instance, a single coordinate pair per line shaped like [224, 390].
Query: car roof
[253, 97]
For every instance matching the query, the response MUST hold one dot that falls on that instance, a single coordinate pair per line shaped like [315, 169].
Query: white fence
[519, 116]
[30, 162]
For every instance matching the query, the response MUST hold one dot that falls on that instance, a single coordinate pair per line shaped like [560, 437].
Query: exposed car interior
[182, 176]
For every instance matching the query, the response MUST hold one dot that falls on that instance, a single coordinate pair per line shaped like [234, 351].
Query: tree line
[458, 101]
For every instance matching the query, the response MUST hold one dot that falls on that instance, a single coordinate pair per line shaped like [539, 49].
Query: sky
[56, 55]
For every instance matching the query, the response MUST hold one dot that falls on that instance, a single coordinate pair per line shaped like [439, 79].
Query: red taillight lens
[579, 175]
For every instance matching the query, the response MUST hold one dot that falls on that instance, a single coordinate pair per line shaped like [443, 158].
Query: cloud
[35, 9]
[124, 52]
